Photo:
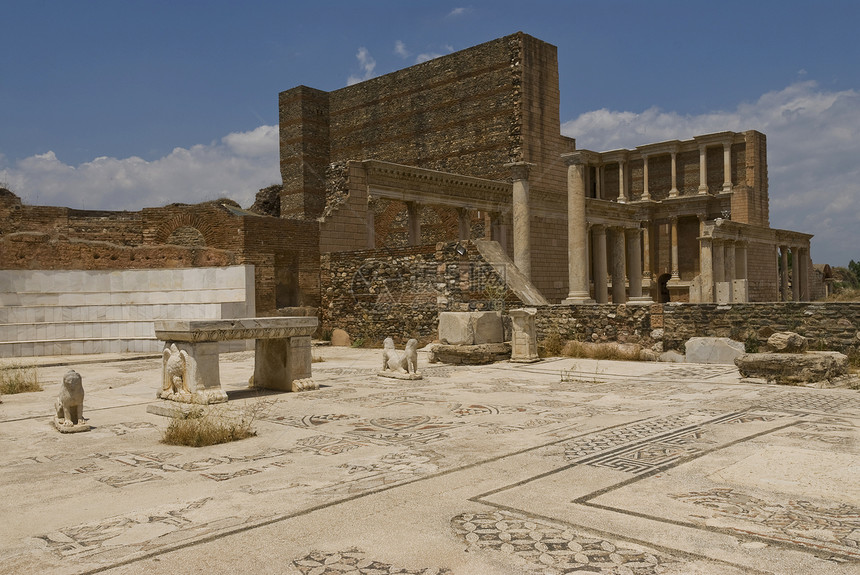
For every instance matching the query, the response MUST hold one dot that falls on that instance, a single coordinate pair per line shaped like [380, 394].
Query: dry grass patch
[214, 425]
[18, 378]
[609, 351]
[845, 294]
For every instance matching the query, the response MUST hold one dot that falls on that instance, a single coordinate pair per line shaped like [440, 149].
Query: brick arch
[185, 220]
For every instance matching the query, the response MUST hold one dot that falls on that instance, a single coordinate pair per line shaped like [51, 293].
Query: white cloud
[426, 56]
[400, 49]
[235, 167]
[367, 65]
[458, 12]
[814, 174]
[431, 55]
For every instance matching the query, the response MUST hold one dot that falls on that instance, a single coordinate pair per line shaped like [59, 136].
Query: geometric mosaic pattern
[836, 529]
[812, 402]
[585, 446]
[545, 548]
[643, 458]
[353, 562]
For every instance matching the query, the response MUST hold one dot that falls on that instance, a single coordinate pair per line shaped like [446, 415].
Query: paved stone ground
[564, 466]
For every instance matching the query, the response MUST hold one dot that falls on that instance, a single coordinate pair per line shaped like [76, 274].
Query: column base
[640, 300]
[703, 190]
[577, 300]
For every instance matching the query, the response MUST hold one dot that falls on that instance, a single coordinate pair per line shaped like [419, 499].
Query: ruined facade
[461, 148]
[469, 146]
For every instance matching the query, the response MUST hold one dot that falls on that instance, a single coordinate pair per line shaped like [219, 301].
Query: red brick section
[285, 253]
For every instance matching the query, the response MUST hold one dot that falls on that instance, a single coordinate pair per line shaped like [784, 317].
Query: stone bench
[282, 356]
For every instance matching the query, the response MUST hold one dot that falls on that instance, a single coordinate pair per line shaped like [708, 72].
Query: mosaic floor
[565, 466]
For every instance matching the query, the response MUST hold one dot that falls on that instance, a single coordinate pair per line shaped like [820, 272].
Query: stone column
[522, 217]
[371, 223]
[676, 274]
[599, 243]
[673, 193]
[622, 183]
[719, 261]
[598, 181]
[634, 271]
[464, 224]
[413, 212]
[803, 256]
[706, 269]
[741, 273]
[499, 229]
[783, 273]
[703, 170]
[741, 255]
[727, 167]
[729, 248]
[577, 235]
[795, 274]
[645, 193]
[646, 250]
[619, 266]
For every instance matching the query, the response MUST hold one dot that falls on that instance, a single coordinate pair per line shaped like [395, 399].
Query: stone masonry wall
[399, 292]
[831, 326]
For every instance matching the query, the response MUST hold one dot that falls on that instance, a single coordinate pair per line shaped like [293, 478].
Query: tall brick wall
[469, 113]
[305, 151]
[755, 164]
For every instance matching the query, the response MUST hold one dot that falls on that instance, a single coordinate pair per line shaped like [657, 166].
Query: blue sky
[123, 104]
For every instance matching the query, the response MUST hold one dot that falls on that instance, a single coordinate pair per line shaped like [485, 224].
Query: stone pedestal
[524, 336]
[191, 373]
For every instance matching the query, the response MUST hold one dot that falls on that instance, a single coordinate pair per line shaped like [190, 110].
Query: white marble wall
[81, 312]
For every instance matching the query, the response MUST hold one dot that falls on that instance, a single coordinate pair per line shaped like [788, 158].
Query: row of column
[626, 247]
[721, 262]
[498, 226]
[623, 195]
[799, 276]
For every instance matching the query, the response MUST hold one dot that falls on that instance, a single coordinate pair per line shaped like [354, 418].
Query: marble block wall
[67, 312]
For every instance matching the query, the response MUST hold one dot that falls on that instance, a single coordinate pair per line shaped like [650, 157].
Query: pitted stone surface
[562, 466]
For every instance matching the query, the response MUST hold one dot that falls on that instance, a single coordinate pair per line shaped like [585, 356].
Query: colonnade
[798, 277]
[599, 162]
[723, 273]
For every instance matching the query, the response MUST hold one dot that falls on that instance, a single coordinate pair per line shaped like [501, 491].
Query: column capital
[519, 170]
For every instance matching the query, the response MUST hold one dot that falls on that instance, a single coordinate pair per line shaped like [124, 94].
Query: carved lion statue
[390, 358]
[175, 374]
[409, 361]
[70, 402]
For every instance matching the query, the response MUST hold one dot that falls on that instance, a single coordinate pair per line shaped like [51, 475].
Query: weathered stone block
[470, 354]
[470, 328]
[720, 350]
[795, 368]
[455, 328]
[523, 336]
[787, 342]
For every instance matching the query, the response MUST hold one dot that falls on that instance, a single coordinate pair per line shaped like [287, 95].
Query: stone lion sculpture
[70, 403]
[395, 362]
[409, 361]
[175, 372]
